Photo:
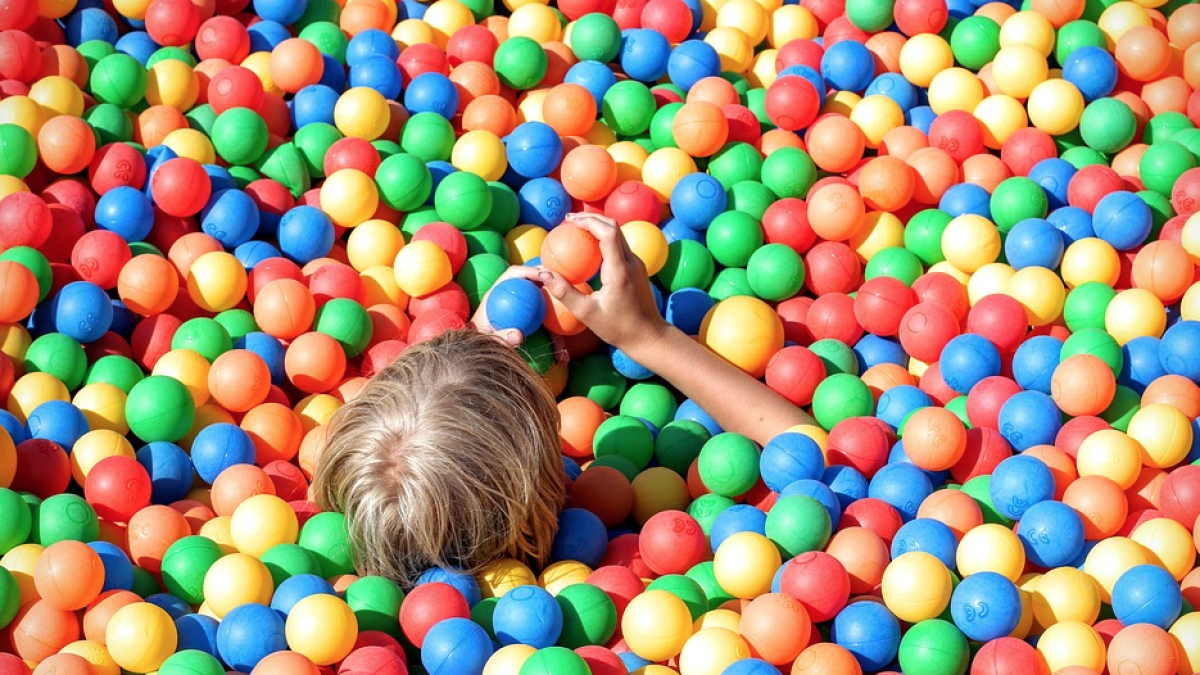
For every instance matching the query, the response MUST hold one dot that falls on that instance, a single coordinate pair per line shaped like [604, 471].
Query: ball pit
[962, 236]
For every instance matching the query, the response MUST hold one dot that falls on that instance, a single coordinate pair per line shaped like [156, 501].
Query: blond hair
[449, 457]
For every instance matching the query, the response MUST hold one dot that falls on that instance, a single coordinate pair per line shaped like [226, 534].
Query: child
[451, 457]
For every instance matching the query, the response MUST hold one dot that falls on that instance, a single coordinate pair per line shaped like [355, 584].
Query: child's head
[450, 456]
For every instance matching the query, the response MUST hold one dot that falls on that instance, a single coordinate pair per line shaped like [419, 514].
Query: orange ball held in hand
[68, 575]
[572, 252]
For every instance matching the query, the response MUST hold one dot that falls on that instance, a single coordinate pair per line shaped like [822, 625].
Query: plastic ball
[657, 625]
[868, 631]
[1146, 594]
[140, 637]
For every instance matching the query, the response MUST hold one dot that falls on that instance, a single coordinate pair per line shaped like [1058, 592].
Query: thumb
[563, 291]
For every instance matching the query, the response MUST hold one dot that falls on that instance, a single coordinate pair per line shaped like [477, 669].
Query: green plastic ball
[734, 163]
[327, 536]
[595, 377]
[871, 16]
[1082, 156]
[1016, 199]
[596, 37]
[204, 336]
[554, 661]
[59, 355]
[94, 50]
[284, 561]
[733, 237]
[798, 524]
[789, 172]
[16, 520]
[480, 9]
[404, 181]
[478, 274]
[327, 37]
[705, 509]
[160, 408]
[376, 604]
[191, 662]
[626, 467]
[171, 54]
[347, 322]
[730, 282]
[728, 464]
[185, 565]
[1086, 304]
[316, 11]
[118, 79]
[116, 370]
[483, 612]
[923, 235]
[110, 124]
[1164, 126]
[428, 136]
[975, 41]
[64, 517]
[626, 436]
[750, 197]
[934, 647]
[776, 272]
[506, 209]
[627, 108]
[841, 396]
[837, 356]
[1125, 403]
[895, 262]
[18, 151]
[662, 135]
[485, 241]
[589, 616]
[33, 260]
[703, 574]
[284, 164]
[463, 199]
[313, 141]
[1162, 164]
[520, 63]
[979, 489]
[1076, 34]
[538, 351]
[237, 322]
[689, 265]
[650, 401]
[416, 219]
[10, 597]
[678, 444]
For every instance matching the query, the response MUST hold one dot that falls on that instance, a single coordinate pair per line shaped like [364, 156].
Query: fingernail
[545, 275]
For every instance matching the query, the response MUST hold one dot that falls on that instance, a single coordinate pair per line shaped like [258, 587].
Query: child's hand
[623, 311]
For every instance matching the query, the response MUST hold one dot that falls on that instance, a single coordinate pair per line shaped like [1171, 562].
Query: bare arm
[623, 314]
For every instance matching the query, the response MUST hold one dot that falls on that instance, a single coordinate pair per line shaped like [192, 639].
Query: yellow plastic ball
[991, 548]
[1090, 259]
[411, 32]
[655, 669]
[1112, 454]
[260, 64]
[1169, 542]
[1001, 116]
[25, 113]
[970, 241]
[1065, 594]
[349, 197]
[732, 46]
[955, 89]
[1163, 434]
[321, 627]
[747, 16]
[648, 243]
[103, 406]
[524, 243]
[664, 168]
[841, 102]
[989, 279]
[1111, 558]
[59, 95]
[1018, 69]
[1119, 17]
[94, 653]
[446, 17]
[508, 660]
[55, 9]
[481, 152]
[132, 9]
[1028, 28]
[1135, 312]
[217, 281]
[362, 112]
[718, 618]
[1186, 632]
[191, 144]
[711, 650]
[1040, 291]
[502, 575]
[140, 637]
[762, 69]
[316, 410]
[21, 562]
[535, 21]
[1189, 237]
[373, 243]
[189, 368]
[658, 489]
[598, 134]
[745, 564]
[744, 331]
[563, 573]
[629, 158]
[656, 625]
[1055, 107]
[923, 56]
[421, 268]
[1072, 643]
[1189, 305]
[880, 230]
[262, 521]
[792, 22]
[916, 586]
[236, 579]
[173, 83]
[11, 184]
[32, 390]
[94, 446]
[379, 283]
[876, 115]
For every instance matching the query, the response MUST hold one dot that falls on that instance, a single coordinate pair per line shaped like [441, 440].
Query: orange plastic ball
[151, 532]
[886, 183]
[700, 128]
[238, 380]
[294, 64]
[284, 308]
[836, 212]
[1142, 648]
[95, 619]
[490, 113]
[579, 418]
[986, 171]
[236, 484]
[776, 627]
[1143, 53]
[715, 90]
[275, 430]
[954, 508]
[1082, 384]
[68, 575]
[285, 663]
[148, 284]
[1058, 12]
[314, 362]
[1101, 504]
[569, 109]
[864, 554]
[39, 631]
[572, 252]
[835, 143]
[18, 292]
[588, 173]
[1176, 391]
[935, 172]
[1165, 269]
[902, 142]
[826, 658]
[157, 122]
[934, 438]
[66, 144]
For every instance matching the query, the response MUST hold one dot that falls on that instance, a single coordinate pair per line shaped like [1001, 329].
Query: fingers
[606, 231]
[564, 292]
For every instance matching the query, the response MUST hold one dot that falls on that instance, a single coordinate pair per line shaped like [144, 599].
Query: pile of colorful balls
[962, 236]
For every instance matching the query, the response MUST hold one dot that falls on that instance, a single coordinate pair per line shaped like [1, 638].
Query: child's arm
[623, 314]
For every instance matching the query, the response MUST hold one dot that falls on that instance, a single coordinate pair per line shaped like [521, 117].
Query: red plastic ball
[925, 330]
[426, 605]
[422, 58]
[1075, 430]
[449, 298]
[352, 153]
[1091, 184]
[602, 660]
[627, 14]
[633, 200]
[792, 103]
[223, 37]
[20, 57]
[786, 222]
[336, 280]
[449, 239]
[794, 372]
[43, 468]
[573, 9]
[1179, 497]
[860, 442]
[743, 124]
[98, 257]
[881, 303]
[173, 23]
[152, 338]
[920, 16]
[268, 270]
[235, 87]
[986, 448]
[620, 583]
[957, 132]
[1025, 148]
[999, 318]
[376, 660]
[832, 317]
[671, 18]
[25, 220]
[433, 323]
[800, 52]
[819, 581]
[116, 165]
[986, 398]
[875, 515]
[117, 487]
[671, 542]
[472, 43]
[944, 290]
[180, 187]
[1008, 656]
[832, 267]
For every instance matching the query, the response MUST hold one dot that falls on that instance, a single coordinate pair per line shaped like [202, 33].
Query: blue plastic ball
[692, 61]
[674, 230]
[197, 631]
[57, 421]
[686, 309]
[581, 536]
[253, 252]
[248, 634]
[138, 44]
[847, 483]
[456, 647]
[1053, 175]
[170, 471]
[1018, 483]
[312, 104]
[126, 211]
[269, 349]
[690, 410]
[594, 76]
[737, 518]
[920, 118]
[966, 198]
[645, 54]
[83, 311]
[868, 631]
[872, 350]
[1122, 219]
[174, 606]
[1177, 351]
[266, 35]
[750, 667]
[1141, 363]
[219, 178]
[516, 303]
[928, 535]
[633, 661]
[90, 24]
[897, 403]
[333, 75]
[543, 202]
[904, 486]
[430, 92]
[305, 234]
[896, 87]
[1034, 362]
[1051, 533]
[696, 199]
[218, 447]
[790, 457]
[230, 217]
[1073, 222]
[1034, 242]
[1092, 70]
[16, 430]
[118, 569]
[813, 76]
[295, 588]
[371, 42]
[986, 606]
[632, 370]
[284, 11]
[534, 149]
[848, 66]
[1147, 594]
[465, 583]
[967, 359]
[383, 75]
